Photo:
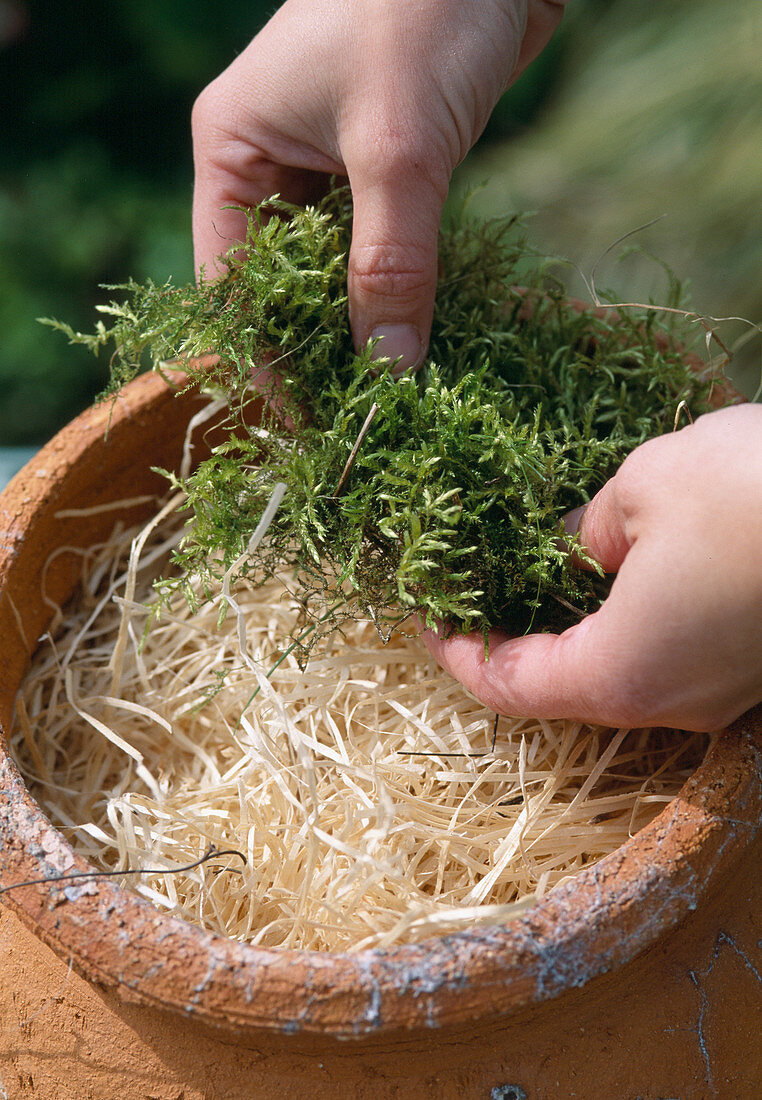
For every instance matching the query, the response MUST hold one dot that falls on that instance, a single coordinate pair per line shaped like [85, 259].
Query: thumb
[392, 273]
[602, 527]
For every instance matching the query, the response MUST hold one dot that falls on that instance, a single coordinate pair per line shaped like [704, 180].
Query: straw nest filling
[364, 789]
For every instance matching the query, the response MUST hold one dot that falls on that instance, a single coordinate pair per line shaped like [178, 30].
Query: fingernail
[398, 342]
[571, 520]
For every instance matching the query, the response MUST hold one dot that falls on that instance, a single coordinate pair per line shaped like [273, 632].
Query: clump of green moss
[452, 504]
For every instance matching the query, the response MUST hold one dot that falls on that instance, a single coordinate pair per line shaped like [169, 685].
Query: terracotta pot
[642, 977]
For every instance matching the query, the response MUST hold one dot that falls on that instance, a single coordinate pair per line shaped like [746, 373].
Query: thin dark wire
[211, 853]
[494, 733]
[463, 755]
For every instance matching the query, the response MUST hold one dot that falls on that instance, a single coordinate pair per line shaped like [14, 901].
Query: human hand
[678, 642]
[391, 96]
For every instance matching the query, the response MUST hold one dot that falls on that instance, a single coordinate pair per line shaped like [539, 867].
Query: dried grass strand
[364, 790]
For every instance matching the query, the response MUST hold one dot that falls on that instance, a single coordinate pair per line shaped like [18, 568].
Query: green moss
[453, 503]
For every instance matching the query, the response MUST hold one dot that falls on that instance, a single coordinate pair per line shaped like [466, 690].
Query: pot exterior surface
[649, 960]
[682, 1020]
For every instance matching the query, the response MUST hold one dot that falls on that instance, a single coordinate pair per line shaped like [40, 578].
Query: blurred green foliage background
[634, 111]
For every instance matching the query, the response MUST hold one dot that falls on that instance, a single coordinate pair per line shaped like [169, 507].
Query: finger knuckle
[220, 115]
[391, 150]
[635, 466]
[412, 156]
[204, 111]
[389, 270]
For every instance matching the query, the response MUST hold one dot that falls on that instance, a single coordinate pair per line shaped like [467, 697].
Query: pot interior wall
[46, 517]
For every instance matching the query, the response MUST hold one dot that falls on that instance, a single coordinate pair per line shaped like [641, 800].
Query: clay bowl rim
[598, 921]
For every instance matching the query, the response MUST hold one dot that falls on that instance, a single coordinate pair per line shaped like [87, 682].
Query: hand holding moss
[678, 642]
[390, 95]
